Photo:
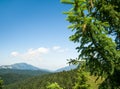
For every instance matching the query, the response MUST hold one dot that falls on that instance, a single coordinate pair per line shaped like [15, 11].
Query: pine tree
[82, 79]
[96, 24]
[53, 86]
[1, 84]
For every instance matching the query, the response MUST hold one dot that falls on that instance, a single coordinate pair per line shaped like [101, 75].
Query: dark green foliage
[82, 80]
[24, 72]
[1, 84]
[53, 86]
[11, 76]
[111, 80]
[66, 80]
[109, 11]
[94, 23]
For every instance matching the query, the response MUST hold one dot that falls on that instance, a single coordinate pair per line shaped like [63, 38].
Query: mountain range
[25, 66]
[22, 71]
[19, 66]
[67, 68]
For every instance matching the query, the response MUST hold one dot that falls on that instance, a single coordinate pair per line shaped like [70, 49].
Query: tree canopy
[53, 86]
[96, 24]
[1, 84]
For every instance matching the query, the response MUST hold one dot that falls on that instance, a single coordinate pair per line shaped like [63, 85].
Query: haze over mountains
[19, 66]
[22, 71]
[25, 66]
[67, 68]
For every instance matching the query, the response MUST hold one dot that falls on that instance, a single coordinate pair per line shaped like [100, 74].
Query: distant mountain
[19, 72]
[67, 68]
[19, 66]
[13, 75]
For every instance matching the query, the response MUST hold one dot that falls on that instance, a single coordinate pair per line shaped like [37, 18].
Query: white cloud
[37, 51]
[42, 57]
[14, 54]
[43, 50]
[56, 47]
[31, 53]
[59, 49]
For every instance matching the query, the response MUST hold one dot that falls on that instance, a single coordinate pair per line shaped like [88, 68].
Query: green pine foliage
[96, 23]
[82, 79]
[53, 86]
[1, 84]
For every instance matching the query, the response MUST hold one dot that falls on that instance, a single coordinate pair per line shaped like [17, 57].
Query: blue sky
[35, 32]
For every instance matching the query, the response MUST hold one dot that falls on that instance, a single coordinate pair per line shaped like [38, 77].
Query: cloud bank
[30, 53]
[42, 56]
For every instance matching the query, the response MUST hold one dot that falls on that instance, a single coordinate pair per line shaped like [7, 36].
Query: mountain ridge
[25, 66]
[67, 68]
[20, 66]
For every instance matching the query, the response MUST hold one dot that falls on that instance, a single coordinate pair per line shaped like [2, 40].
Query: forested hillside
[65, 79]
[13, 77]
[10, 76]
[26, 72]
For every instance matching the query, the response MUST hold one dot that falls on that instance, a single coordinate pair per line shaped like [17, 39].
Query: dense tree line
[11, 75]
[65, 80]
[24, 72]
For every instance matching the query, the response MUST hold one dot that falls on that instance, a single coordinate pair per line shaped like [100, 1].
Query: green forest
[96, 29]
[65, 79]
[11, 75]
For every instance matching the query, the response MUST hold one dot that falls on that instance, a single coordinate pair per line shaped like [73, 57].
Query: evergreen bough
[1, 84]
[53, 86]
[96, 24]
